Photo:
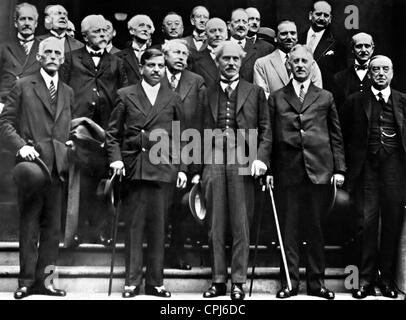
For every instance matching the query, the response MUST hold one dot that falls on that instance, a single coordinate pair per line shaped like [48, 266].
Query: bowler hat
[31, 176]
[107, 189]
[195, 201]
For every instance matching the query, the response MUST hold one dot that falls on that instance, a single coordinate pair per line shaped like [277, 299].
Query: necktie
[301, 94]
[252, 39]
[26, 48]
[229, 91]
[312, 42]
[173, 82]
[52, 92]
[200, 37]
[380, 99]
[240, 43]
[287, 66]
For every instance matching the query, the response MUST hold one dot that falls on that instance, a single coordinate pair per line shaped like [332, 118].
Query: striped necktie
[52, 92]
[301, 94]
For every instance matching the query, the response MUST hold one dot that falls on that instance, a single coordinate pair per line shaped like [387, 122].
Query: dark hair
[149, 54]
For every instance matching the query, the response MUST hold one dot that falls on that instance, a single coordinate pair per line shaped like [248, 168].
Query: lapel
[105, 62]
[279, 67]
[164, 97]
[326, 43]
[367, 104]
[250, 49]
[32, 56]
[17, 51]
[208, 64]
[243, 90]
[311, 96]
[213, 95]
[185, 84]
[87, 60]
[42, 92]
[291, 97]
[61, 99]
[399, 104]
[129, 56]
[140, 100]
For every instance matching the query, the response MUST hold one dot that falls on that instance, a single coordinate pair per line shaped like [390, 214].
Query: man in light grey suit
[272, 72]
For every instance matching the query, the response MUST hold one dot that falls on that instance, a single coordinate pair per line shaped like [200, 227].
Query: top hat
[31, 176]
[195, 201]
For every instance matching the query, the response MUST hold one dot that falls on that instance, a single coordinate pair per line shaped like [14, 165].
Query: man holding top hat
[233, 109]
[34, 126]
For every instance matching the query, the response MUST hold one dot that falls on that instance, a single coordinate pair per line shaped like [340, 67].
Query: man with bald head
[197, 41]
[56, 21]
[307, 157]
[328, 52]
[141, 29]
[272, 72]
[373, 127]
[238, 28]
[34, 126]
[254, 23]
[354, 78]
[95, 76]
[203, 63]
[233, 108]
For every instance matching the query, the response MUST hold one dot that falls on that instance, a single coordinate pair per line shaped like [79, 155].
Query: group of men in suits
[219, 78]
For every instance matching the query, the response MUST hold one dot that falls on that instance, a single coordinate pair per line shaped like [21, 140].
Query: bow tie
[96, 54]
[202, 37]
[361, 67]
[28, 40]
[252, 39]
[229, 82]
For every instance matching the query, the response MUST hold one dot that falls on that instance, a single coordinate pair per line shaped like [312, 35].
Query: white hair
[136, 20]
[173, 44]
[91, 20]
[59, 43]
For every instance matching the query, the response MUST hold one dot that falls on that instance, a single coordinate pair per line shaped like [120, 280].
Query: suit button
[94, 89]
[143, 149]
[227, 127]
[93, 103]
[302, 131]
[142, 131]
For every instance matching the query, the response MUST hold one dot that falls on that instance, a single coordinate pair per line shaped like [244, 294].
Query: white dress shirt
[177, 76]
[243, 41]
[232, 85]
[56, 35]
[361, 73]
[26, 42]
[297, 85]
[385, 93]
[317, 36]
[47, 78]
[198, 44]
[138, 51]
[211, 49]
[96, 60]
[150, 91]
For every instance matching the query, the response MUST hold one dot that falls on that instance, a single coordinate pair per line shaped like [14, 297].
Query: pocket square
[330, 53]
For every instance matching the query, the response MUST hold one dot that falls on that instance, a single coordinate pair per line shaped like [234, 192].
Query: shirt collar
[201, 36]
[148, 87]
[90, 50]
[243, 41]
[318, 33]
[283, 55]
[169, 75]
[232, 85]
[56, 35]
[385, 93]
[47, 78]
[135, 46]
[297, 85]
[109, 47]
[22, 39]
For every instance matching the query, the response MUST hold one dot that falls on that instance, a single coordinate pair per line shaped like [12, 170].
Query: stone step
[197, 256]
[96, 279]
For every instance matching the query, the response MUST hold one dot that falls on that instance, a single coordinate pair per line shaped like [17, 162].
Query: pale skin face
[239, 25]
[173, 26]
[176, 57]
[96, 37]
[254, 20]
[142, 30]
[229, 62]
[59, 18]
[153, 70]
[287, 36]
[26, 22]
[363, 47]
[51, 57]
[381, 72]
[216, 32]
[320, 16]
[300, 63]
[111, 33]
[199, 19]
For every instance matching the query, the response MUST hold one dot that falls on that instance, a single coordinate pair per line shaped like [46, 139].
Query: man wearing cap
[203, 63]
[375, 141]
[233, 109]
[238, 27]
[197, 41]
[141, 29]
[35, 125]
[272, 72]
[191, 89]
[18, 54]
[143, 110]
[95, 76]
[307, 157]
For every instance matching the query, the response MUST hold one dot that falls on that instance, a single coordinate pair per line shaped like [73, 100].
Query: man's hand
[268, 182]
[195, 179]
[118, 168]
[28, 153]
[338, 179]
[258, 168]
[71, 145]
[181, 181]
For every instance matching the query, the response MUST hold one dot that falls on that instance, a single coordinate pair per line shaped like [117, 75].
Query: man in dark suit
[111, 33]
[307, 153]
[233, 109]
[95, 76]
[35, 125]
[354, 78]
[141, 111]
[141, 29]
[203, 63]
[197, 41]
[328, 52]
[191, 88]
[18, 54]
[172, 28]
[375, 141]
[56, 21]
[238, 27]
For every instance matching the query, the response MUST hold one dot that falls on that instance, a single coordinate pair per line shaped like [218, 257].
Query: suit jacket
[128, 136]
[95, 89]
[203, 64]
[28, 115]
[252, 112]
[330, 55]
[307, 139]
[254, 51]
[131, 65]
[270, 73]
[347, 82]
[114, 50]
[71, 44]
[191, 90]
[15, 64]
[192, 46]
[356, 123]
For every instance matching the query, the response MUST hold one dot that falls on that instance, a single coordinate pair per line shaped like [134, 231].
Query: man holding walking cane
[307, 156]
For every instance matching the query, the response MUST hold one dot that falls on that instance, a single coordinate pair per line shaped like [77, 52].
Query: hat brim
[197, 204]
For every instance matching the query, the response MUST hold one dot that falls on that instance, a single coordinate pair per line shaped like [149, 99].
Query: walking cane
[278, 230]
[115, 203]
[261, 201]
